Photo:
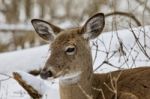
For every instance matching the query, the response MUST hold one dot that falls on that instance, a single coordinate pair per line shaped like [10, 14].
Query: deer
[71, 61]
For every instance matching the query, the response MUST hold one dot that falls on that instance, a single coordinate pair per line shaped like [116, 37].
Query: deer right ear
[45, 30]
[94, 26]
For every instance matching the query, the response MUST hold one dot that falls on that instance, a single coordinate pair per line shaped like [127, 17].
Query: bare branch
[8, 77]
[88, 96]
[100, 90]
[130, 15]
[31, 91]
[143, 3]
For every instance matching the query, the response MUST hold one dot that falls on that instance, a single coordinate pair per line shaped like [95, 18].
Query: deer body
[71, 60]
[132, 84]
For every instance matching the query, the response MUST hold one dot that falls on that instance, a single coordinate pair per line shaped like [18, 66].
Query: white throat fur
[69, 79]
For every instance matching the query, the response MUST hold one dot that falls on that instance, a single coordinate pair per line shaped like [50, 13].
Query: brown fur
[135, 82]
[129, 83]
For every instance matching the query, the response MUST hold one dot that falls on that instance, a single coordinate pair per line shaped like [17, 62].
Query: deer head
[70, 50]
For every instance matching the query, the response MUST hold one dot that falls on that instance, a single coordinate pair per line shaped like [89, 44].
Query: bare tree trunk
[12, 11]
[28, 9]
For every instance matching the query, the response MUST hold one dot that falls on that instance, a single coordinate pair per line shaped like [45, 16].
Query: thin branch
[96, 52]
[88, 96]
[113, 84]
[143, 3]
[139, 44]
[8, 77]
[130, 15]
[100, 90]
[31, 91]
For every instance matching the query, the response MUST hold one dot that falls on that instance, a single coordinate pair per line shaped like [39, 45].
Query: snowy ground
[34, 58]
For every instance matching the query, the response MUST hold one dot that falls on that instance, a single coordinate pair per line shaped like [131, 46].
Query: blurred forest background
[16, 31]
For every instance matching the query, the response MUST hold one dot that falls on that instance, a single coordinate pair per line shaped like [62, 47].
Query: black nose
[45, 74]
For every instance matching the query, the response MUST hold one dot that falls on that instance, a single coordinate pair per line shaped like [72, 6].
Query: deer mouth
[46, 75]
[65, 76]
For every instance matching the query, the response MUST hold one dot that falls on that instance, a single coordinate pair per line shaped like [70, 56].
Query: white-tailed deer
[71, 60]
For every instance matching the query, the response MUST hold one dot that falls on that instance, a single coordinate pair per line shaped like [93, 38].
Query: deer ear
[94, 26]
[45, 30]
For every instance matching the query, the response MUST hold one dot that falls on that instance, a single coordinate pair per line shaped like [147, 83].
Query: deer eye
[70, 50]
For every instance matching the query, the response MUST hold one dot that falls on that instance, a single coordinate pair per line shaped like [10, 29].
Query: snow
[34, 58]
[25, 60]
[40, 85]
[32, 79]
[110, 41]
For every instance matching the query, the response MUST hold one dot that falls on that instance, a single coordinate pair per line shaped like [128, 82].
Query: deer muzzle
[46, 74]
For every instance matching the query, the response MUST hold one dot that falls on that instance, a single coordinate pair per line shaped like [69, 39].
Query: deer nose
[45, 74]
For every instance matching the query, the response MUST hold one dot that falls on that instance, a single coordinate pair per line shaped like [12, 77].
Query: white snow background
[34, 58]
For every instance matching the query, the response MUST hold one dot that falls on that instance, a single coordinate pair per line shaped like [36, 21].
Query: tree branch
[130, 15]
[30, 90]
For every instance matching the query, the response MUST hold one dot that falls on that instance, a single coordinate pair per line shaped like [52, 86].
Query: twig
[142, 2]
[113, 82]
[96, 45]
[31, 91]
[6, 76]
[139, 44]
[100, 90]
[88, 96]
[124, 14]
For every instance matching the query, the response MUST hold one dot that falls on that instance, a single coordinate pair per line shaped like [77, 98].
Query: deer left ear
[94, 26]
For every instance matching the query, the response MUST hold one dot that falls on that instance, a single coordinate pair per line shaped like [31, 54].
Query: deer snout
[45, 74]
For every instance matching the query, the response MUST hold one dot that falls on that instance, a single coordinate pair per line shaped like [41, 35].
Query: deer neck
[69, 89]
